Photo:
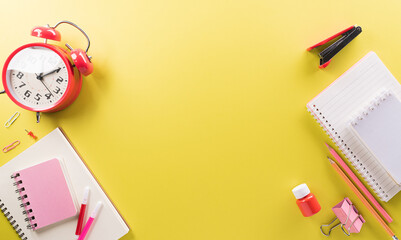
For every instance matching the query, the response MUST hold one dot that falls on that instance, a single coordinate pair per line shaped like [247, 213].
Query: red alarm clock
[41, 77]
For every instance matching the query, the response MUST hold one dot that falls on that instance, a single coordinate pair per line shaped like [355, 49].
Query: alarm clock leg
[37, 117]
[4, 91]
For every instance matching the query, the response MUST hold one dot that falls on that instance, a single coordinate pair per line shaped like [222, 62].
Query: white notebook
[342, 102]
[378, 126]
[109, 225]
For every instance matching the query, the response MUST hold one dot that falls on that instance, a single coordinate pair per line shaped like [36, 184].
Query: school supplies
[306, 200]
[30, 133]
[336, 107]
[378, 127]
[360, 185]
[11, 120]
[328, 53]
[349, 218]
[362, 198]
[90, 221]
[45, 194]
[109, 224]
[11, 146]
[82, 212]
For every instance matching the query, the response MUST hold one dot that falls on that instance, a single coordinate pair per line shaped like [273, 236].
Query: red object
[306, 201]
[47, 33]
[74, 84]
[30, 133]
[308, 205]
[329, 39]
[80, 220]
[82, 62]
[325, 65]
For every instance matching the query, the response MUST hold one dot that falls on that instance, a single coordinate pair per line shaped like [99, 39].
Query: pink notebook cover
[44, 190]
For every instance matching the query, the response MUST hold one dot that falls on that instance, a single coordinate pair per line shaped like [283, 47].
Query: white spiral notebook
[354, 100]
[109, 225]
[379, 129]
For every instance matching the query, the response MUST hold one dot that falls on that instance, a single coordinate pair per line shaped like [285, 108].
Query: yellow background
[194, 119]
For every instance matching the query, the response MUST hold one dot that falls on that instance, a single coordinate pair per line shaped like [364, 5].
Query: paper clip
[11, 146]
[350, 223]
[11, 120]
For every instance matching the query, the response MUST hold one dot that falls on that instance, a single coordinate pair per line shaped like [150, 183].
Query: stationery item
[306, 200]
[12, 221]
[11, 146]
[378, 128]
[349, 218]
[362, 198]
[11, 120]
[345, 37]
[82, 212]
[109, 225]
[359, 184]
[30, 133]
[45, 194]
[90, 221]
[335, 107]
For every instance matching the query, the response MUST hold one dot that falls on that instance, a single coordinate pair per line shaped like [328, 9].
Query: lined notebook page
[336, 106]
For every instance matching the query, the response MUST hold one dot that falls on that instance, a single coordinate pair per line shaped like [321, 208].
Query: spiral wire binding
[12, 221]
[353, 159]
[24, 203]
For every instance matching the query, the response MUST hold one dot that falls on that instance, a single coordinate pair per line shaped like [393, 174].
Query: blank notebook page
[379, 128]
[335, 107]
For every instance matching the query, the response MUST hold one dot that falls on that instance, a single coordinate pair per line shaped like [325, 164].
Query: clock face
[37, 77]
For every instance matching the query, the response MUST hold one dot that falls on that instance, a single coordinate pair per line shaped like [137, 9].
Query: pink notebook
[45, 194]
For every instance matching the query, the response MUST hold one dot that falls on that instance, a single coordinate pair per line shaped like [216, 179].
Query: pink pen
[82, 213]
[90, 221]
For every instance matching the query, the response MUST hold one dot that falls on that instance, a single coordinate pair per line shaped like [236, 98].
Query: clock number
[23, 84]
[20, 75]
[59, 80]
[57, 90]
[48, 95]
[27, 93]
[38, 96]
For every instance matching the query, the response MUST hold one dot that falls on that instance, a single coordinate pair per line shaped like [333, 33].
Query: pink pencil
[360, 185]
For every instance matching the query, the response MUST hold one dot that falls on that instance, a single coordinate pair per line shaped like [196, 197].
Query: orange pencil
[359, 184]
[362, 198]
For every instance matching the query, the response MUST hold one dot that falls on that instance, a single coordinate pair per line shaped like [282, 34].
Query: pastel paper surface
[380, 131]
[48, 193]
[341, 210]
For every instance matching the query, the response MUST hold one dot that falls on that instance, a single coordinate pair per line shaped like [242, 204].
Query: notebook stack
[40, 188]
[361, 112]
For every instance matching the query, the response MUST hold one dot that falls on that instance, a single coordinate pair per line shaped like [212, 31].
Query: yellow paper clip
[11, 146]
[11, 120]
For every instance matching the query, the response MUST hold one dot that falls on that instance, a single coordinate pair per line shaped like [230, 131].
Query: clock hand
[41, 75]
[41, 80]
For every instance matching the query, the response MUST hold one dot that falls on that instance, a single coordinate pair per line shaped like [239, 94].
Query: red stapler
[346, 36]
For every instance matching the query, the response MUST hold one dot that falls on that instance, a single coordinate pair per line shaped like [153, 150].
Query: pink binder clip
[350, 220]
